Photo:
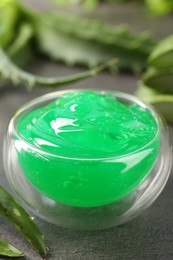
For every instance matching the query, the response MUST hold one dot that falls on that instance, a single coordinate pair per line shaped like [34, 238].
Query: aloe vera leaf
[10, 71]
[21, 44]
[6, 249]
[162, 55]
[161, 81]
[20, 50]
[162, 102]
[74, 51]
[18, 217]
[8, 20]
[61, 44]
[93, 29]
[69, 49]
[79, 40]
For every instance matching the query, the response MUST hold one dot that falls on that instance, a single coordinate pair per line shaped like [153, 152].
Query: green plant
[16, 52]
[19, 218]
[68, 38]
[156, 86]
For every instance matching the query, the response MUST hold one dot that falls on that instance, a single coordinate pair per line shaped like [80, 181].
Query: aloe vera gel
[87, 149]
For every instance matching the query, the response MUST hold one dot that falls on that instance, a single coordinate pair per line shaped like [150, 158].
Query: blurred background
[55, 38]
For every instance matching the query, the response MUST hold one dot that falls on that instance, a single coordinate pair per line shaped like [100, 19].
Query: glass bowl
[31, 171]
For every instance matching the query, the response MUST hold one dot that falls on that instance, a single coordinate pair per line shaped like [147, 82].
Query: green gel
[92, 149]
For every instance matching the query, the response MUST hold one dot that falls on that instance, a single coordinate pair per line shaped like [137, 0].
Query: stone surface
[148, 237]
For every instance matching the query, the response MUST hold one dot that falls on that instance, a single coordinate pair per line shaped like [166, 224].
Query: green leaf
[9, 70]
[162, 55]
[20, 50]
[19, 218]
[162, 102]
[161, 81]
[6, 249]
[78, 40]
[93, 29]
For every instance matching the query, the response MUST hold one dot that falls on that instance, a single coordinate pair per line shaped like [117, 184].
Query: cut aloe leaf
[77, 40]
[19, 218]
[162, 102]
[162, 55]
[161, 81]
[6, 249]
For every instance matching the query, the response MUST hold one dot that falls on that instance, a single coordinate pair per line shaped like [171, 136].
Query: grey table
[150, 236]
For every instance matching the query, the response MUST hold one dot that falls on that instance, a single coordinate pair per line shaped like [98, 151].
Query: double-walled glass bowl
[32, 172]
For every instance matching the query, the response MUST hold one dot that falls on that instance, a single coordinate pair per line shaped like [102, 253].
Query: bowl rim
[36, 102]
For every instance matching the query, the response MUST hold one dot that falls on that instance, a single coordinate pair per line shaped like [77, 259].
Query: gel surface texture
[92, 149]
